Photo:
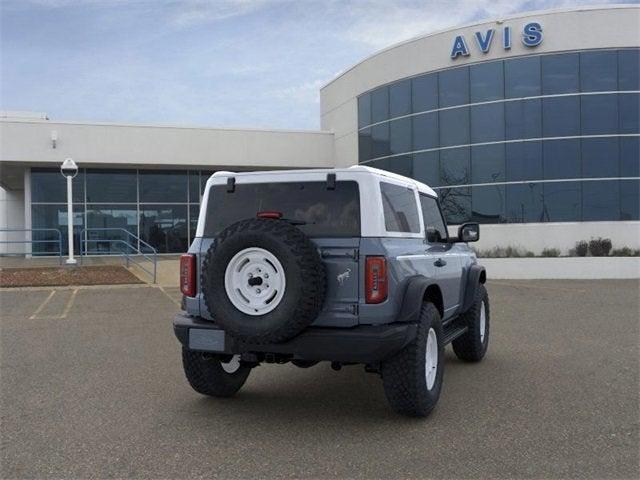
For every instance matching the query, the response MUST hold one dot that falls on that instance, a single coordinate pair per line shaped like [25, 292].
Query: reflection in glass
[424, 92]
[560, 73]
[487, 163]
[454, 127]
[402, 165]
[487, 204]
[629, 69]
[523, 161]
[487, 81]
[599, 71]
[454, 87]
[163, 186]
[561, 159]
[524, 203]
[487, 123]
[365, 144]
[400, 98]
[456, 204]
[562, 201]
[55, 216]
[425, 131]
[364, 110]
[380, 104]
[113, 217]
[194, 187]
[600, 157]
[523, 119]
[600, 201]
[629, 112]
[561, 116]
[630, 200]
[112, 186]
[400, 135]
[522, 77]
[380, 140]
[630, 157]
[194, 211]
[204, 176]
[599, 114]
[165, 227]
[454, 166]
[48, 185]
[426, 168]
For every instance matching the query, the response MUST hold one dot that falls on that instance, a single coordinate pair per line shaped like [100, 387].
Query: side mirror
[469, 232]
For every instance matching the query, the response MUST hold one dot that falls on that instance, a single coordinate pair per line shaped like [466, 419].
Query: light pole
[69, 169]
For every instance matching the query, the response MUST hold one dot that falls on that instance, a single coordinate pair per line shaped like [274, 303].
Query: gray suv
[350, 266]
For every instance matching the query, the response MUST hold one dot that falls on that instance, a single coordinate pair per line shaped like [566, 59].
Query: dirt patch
[61, 276]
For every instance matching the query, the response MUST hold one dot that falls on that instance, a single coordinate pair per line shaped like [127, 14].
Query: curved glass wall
[542, 138]
[159, 206]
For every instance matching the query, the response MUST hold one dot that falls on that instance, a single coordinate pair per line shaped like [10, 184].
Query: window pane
[523, 161]
[456, 204]
[365, 145]
[48, 185]
[114, 218]
[380, 140]
[454, 127]
[400, 133]
[487, 82]
[425, 131]
[600, 157]
[629, 200]
[522, 77]
[487, 164]
[380, 104]
[630, 157]
[454, 166]
[454, 87]
[599, 114]
[204, 176]
[487, 123]
[402, 165]
[523, 119]
[400, 98]
[598, 71]
[112, 186]
[433, 224]
[600, 201]
[629, 69]
[163, 186]
[364, 110]
[524, 203]
[561, 159]
[487, 204]
[629, 112]
[562, 201]
[164, 227]
[400, 210]
[426, 168]
[424, 92]
[55, 216]
[194, 187]
[561, 116]
[194, 211]
[560, 73]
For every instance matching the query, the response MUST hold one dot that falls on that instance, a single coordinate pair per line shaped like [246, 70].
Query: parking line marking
[42, 305]
[69, 304]
[170, 297]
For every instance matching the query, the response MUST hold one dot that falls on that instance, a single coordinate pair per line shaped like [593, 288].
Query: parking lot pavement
[92, 386]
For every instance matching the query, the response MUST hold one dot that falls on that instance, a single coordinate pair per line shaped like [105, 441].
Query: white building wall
[11, 216]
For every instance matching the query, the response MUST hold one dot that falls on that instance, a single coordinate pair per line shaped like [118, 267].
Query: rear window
[320, 211]
[400, 210]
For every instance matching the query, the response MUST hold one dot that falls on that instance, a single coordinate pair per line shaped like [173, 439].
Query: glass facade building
[159, 206]
[538, 138]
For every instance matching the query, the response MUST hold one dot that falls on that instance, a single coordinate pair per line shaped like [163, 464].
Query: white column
[70, 260]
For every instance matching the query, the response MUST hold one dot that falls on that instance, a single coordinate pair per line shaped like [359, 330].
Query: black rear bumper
[361, 344]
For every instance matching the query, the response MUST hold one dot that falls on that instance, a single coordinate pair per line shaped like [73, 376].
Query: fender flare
[476, 276]
[412, 299]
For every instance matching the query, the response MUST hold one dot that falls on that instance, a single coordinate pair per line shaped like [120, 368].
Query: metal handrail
[32, 241]
[150, 256]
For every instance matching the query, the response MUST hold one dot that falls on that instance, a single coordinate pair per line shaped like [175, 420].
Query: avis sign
[531, 37]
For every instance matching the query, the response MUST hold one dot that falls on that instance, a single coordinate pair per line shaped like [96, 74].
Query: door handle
[440, 263]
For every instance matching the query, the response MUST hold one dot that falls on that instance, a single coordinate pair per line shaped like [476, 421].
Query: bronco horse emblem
[341, 277]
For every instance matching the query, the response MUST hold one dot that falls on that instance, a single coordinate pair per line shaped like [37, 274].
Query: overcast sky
[247, 63]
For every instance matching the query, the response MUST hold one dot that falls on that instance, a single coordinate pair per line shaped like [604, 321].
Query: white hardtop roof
[358, 169]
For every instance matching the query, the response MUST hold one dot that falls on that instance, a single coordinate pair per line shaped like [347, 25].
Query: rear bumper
[361, 344]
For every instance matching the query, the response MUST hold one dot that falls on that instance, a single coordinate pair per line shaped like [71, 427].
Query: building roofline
[480, 22]
[168, 126]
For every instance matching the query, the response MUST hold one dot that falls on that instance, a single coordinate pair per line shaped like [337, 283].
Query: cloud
[194, 12]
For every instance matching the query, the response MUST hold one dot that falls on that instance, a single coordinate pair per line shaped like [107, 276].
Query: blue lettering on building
[531, 37]
[459, 47]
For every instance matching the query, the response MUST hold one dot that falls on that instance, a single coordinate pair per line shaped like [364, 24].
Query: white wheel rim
[255, 281]
[232, 365]
[431, 359]
[483, 322]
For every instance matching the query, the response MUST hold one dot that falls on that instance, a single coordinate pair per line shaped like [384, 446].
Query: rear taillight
[188, 275]
[376, 285]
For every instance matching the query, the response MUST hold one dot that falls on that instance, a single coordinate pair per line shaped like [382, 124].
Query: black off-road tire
[403, 375]
[206, 375]
[304, 272]
[469, 347]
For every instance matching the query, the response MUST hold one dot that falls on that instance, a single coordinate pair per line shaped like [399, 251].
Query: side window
[400, 210]
[434, 226]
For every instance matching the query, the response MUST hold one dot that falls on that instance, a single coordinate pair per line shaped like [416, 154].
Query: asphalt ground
[92, 387]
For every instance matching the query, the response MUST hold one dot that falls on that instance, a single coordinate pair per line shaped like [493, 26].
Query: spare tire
[263, 280]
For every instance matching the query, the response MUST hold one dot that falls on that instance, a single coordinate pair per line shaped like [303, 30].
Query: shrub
[581, 249]
[550, 252]
[600, 247]
[505, 252]
[625, 252]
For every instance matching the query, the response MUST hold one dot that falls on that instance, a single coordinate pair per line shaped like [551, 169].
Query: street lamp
[69, 169]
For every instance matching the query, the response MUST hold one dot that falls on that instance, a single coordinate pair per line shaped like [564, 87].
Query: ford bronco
[351, 265]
